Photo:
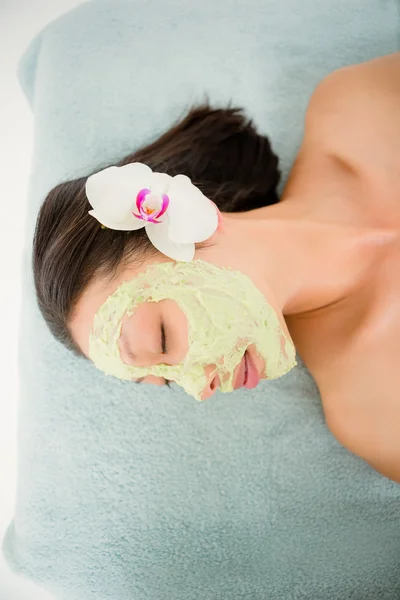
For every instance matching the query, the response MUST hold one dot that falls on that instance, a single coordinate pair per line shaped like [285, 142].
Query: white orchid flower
[174, 212]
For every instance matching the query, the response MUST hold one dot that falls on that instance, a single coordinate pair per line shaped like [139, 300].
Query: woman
[325, 259]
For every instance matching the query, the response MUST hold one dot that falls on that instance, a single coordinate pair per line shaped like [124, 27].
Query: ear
[220, 217]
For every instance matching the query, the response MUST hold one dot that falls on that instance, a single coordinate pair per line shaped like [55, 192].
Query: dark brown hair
[219, 149]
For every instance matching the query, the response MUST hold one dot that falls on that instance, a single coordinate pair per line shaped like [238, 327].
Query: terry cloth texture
[138, 493]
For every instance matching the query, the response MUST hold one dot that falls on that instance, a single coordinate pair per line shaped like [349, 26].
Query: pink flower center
[151, 206]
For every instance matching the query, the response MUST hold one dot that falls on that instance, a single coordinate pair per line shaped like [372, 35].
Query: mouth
[247, 375]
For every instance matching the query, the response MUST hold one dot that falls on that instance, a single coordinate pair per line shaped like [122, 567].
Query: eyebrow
[129, 353]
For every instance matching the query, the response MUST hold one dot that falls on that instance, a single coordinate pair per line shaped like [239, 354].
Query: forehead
[94, 297]
[88, 304]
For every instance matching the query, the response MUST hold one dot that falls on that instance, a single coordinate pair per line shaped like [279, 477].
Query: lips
[252, 378]
[247, 375]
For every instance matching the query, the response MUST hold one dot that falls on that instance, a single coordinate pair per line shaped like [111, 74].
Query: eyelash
[164, 348]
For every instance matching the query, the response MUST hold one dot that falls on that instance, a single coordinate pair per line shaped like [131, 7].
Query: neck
[305, 264]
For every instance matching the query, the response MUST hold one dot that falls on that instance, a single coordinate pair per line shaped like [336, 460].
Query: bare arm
[354, 115]
[352, 132]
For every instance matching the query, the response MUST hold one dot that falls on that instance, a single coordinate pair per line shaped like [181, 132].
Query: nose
[213, 383]
[154, 380]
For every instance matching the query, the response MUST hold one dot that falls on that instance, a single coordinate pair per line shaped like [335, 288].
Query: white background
[20, 20]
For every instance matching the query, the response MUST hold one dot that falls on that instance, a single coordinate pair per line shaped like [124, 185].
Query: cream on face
[225, 313]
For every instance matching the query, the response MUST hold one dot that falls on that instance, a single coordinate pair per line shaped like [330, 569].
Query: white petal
[192, 217]
[128, 224]
[112, 192]
[158, 235]
[160, 183]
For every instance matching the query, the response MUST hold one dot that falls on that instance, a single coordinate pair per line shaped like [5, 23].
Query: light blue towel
[140, 493]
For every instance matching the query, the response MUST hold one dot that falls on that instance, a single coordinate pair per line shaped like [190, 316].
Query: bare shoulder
[354, 113]
[360, 393]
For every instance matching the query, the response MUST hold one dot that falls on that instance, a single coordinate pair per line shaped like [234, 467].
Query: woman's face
[198, 324]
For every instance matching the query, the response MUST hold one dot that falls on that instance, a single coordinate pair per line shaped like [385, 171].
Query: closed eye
[164, 349]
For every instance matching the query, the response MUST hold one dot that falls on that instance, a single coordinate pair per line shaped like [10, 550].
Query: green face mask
[225, 314]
